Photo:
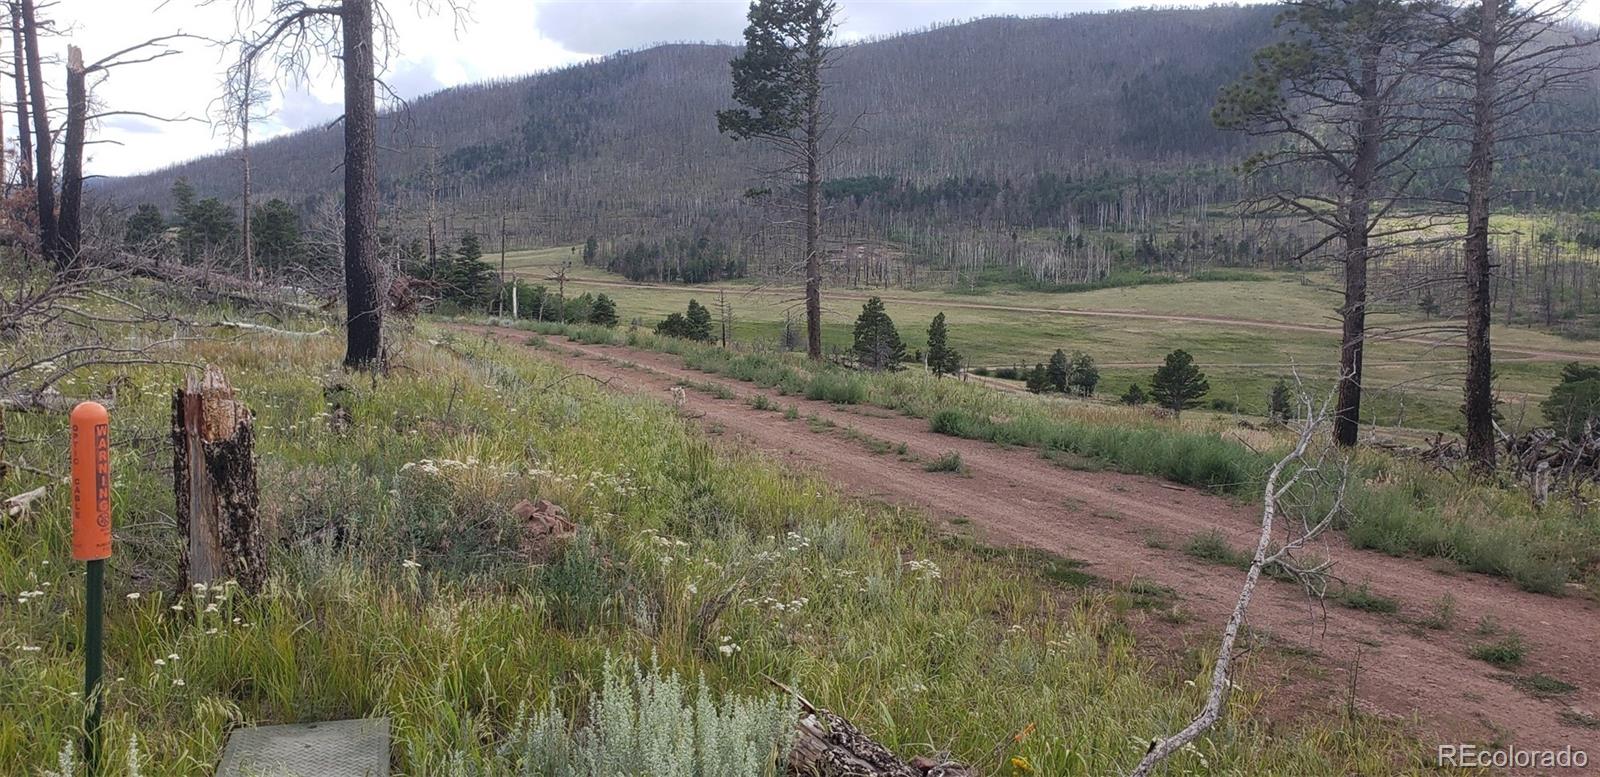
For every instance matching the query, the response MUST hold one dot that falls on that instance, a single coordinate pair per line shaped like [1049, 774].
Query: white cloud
[496, 39]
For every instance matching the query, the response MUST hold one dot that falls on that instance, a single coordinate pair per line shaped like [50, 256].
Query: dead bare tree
[1509, 59]
[44, 173]
[19, 70]
[1303, 497]
[243, 103]
[353, 31]
[69, 220]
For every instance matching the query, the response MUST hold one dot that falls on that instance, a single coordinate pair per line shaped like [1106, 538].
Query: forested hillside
[632, 137]
[955, 140]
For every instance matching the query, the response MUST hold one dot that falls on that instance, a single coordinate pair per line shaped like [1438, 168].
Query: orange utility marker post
[91, 543]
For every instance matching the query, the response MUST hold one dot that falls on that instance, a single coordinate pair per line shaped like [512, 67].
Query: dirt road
[1128, 527]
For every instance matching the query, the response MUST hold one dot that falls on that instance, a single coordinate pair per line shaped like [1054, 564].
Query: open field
[401, 587]
[1246, 335]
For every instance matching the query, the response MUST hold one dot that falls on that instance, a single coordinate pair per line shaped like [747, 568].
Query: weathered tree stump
[827, 745]
[214, 479]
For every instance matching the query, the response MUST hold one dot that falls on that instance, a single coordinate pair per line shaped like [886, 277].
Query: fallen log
[827, 745]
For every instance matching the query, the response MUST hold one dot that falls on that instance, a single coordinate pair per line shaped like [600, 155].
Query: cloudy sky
[494, 39]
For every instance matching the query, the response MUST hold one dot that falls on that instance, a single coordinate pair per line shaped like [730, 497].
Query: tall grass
[401, 587]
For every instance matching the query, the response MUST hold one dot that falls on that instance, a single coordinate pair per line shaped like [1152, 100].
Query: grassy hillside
[1411, 383]
[400, 587]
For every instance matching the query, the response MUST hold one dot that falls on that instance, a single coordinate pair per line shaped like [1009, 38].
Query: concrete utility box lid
[336, 748]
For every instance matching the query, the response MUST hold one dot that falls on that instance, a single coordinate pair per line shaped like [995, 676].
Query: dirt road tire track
[1016, 497]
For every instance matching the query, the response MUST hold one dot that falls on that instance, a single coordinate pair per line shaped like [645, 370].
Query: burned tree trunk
[363, 270]
[214, 479]
[1479, 401]
[69, 226]
[19, 72]
[44, 174]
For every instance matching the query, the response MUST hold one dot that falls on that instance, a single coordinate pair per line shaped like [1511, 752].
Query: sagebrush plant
[646, 723]
[404, 592]
[1398, 507]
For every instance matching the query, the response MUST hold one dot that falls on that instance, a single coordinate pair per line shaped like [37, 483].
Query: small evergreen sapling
[1134, 395]
[877, 344]
[1059, 371]
[942, 359]
[603, 311]
[1178, 385]
[1084, 376]
[1038, 379]
[1280, 405]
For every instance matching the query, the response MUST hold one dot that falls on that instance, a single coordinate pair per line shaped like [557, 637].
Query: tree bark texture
[214, 480]
[1347, 421]
[363, 270]
[44, 174]
[1479, 400]
[19, 63]
[70, 223]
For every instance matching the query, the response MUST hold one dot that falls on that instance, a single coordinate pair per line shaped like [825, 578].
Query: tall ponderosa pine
[1337, 99]
[295, 32]
[1178, 385]
[1507, 57]
[877, 344]
[777, 81]
[942, 359]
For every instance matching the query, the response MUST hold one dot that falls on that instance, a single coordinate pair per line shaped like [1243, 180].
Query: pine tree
[942, 359]
[603, 311]
[1085, 376]
[591, 250]
[1133, 396]
[1038, 379]
[1278, 405]
[699, 319]
[1178, 385]
[1059, 371]
[778, 81]
[877, 343]
[144, 225]
[469, 280]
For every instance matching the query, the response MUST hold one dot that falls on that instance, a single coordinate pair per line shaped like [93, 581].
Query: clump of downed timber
[1540, 458]
[214, 479]
[827, 745]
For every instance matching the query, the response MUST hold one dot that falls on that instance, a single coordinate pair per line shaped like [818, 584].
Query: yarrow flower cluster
[926, 568]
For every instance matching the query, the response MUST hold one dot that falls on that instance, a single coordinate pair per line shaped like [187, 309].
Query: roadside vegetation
[402, 585]
[1397, 507]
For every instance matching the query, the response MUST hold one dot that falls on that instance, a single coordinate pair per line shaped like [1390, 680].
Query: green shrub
[949, 462]
[1505, 652]
[1363, 598]
[838, 388]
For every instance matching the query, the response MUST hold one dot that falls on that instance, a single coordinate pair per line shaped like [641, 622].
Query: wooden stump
[214, 479]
